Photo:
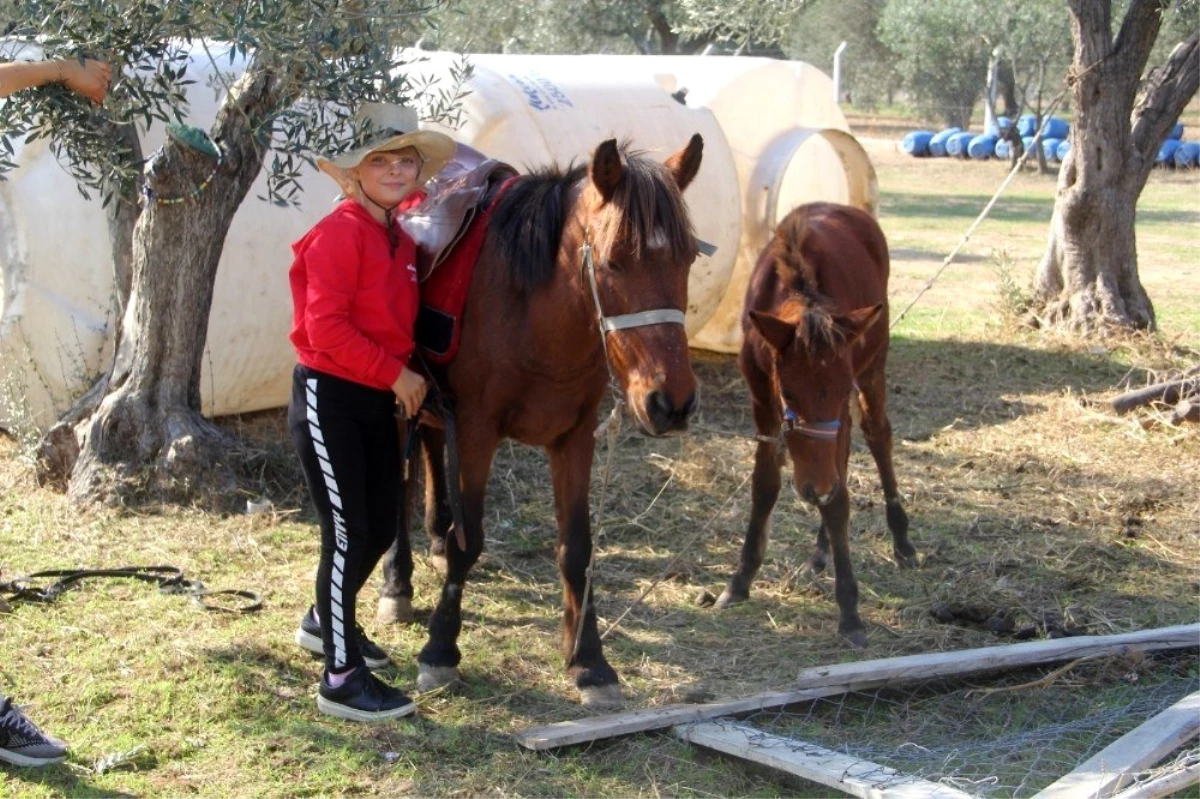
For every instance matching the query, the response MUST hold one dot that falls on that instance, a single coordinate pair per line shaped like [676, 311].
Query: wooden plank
[851, 775]
[989, 658]
[1111, 767]
[841, 678]
[565, 733]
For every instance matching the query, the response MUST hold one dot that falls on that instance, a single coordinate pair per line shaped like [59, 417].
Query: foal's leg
[395, 597]
[764, 491]
[438, 516]
[439, 659]
[877, 430]
[570, 471]
[835, 521]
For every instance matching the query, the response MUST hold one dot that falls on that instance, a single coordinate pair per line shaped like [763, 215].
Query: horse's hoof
[728, 598]
[394, 610]
[430, 678]
[601, 697]
[856, 638]
[905, 561]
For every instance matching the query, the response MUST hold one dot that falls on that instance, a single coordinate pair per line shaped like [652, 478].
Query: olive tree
[307, 65]
[1087, 279]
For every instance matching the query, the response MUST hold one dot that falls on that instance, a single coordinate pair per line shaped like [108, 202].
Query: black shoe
[363, 697]
[308, 635]
[23, 744]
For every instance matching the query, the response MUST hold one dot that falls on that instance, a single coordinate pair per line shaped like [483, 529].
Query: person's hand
[410, 389]
[90, 79]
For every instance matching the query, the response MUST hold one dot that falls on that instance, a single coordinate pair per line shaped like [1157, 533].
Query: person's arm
[89, 78]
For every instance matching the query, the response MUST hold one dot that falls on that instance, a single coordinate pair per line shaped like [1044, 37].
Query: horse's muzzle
[662, 417]
[811, 496]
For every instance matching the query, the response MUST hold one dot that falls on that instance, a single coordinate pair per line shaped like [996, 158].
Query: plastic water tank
[1050, 148]
[937, 145]
[917, 142]
[982, 147]
[1063, 148]
[1166, 153]
[1003, 148]
[956, 145]
[1187, 155]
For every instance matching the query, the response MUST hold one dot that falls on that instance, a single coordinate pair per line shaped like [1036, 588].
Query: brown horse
[581, 285]
[816, 332]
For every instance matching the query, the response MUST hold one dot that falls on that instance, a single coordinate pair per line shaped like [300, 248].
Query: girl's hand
[90, 79]
[410, 389]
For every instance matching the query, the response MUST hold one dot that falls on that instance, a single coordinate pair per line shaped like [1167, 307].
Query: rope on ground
[1037, 143]
[169, 579]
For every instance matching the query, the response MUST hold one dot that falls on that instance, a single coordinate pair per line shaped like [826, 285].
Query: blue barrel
[1177, 131]
[1027, 143]
[937, 145]
[998, 125]
[982, 147]
[917, 142]
[956, 145]
[1187, 155]
[1050, 148]
[1026, 125]
[1003, 149]
[1166, 153]
[1055, 128]
[1064, 147]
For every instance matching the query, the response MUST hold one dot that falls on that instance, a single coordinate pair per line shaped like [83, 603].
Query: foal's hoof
[601, 697]
[430, 678]
[905, 560]
[394, 610]
[856, 638]
[728, 598]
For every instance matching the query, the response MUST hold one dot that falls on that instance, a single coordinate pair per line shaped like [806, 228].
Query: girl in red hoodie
[354, 297]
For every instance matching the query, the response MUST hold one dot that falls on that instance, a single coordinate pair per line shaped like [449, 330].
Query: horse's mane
[527, 223]
[807, 308]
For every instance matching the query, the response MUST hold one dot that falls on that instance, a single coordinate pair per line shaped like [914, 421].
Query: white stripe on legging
[339, 529]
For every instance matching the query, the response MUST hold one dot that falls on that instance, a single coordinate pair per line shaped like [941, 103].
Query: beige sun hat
[392, 127]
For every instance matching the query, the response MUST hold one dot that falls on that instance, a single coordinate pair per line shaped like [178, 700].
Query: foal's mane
[528, 222]
[805, 306]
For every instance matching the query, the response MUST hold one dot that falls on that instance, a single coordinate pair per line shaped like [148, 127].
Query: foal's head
[632, 214]
[813, 376]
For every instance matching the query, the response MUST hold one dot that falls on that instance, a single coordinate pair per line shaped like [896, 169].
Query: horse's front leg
[835, 523]
[764, 492]
[438, 661]
[570, 471]
[395, 596]
[877, 430]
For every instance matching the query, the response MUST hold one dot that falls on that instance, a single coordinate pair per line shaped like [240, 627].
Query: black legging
[345, 434]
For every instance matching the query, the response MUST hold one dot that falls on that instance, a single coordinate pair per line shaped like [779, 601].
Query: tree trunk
[1088, 277]
[147, 437]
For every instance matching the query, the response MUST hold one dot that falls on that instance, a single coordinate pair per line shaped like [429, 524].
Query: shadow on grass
[59, 780]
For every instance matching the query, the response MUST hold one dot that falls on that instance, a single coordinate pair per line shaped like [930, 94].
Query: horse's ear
[856, 323]
[686, 163]
[778, 333]
[606, 169]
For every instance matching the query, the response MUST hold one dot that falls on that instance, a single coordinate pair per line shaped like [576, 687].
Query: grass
[1026, 496]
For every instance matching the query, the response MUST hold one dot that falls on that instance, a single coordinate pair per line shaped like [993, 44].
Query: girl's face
[388, 177]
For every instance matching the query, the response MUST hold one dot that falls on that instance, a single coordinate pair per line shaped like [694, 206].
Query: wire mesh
[1012, 737]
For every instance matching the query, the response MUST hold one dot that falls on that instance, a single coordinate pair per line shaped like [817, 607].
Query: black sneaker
[308, 636]
[23, 744]
[363, 697]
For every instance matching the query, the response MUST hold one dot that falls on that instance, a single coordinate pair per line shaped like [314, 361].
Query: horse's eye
[614, 266]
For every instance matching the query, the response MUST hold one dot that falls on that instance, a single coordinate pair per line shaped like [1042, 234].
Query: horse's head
[641, 248]
[814, 378]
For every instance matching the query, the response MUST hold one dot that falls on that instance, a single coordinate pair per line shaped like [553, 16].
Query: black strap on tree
[169, 579]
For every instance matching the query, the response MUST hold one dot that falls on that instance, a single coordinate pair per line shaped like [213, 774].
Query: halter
[795, 423]
[608, 324]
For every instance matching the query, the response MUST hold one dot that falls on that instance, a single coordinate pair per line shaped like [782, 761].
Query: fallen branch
[1167, 393]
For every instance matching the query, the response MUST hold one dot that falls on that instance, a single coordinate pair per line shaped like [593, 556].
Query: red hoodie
[354, 301]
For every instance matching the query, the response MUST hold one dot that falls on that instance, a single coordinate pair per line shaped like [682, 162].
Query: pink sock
[337, 678]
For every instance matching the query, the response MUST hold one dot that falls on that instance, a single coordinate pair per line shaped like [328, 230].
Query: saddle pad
[444, 291]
